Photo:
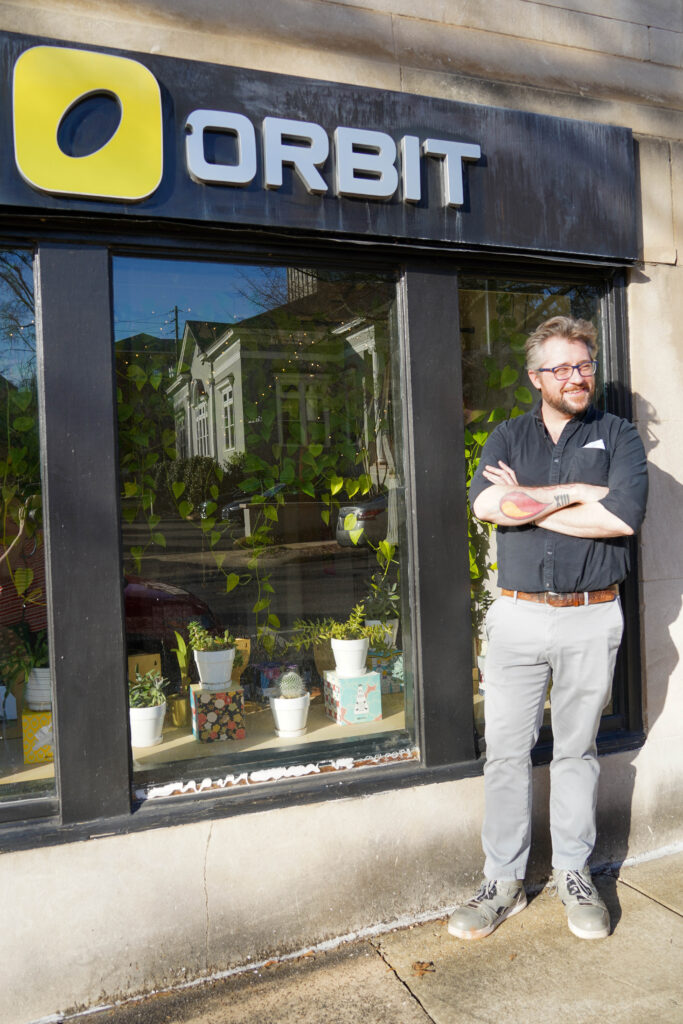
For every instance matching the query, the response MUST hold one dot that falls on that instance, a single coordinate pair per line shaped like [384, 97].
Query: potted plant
[349, 638]
[214, 655]
[28, 662]
[179, 703]
[382, 605]
[289, 702]
[147, 708]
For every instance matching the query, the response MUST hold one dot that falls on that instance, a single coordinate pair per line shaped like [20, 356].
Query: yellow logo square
[48, 83]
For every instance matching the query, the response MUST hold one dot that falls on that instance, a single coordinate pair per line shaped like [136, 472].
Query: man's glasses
[564, 372]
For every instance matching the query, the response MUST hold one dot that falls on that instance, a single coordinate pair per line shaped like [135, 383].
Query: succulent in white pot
[147, 708]
[289, 703]
[214, 656]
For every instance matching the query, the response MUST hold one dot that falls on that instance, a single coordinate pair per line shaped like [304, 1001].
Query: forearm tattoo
[522, 507]
[563, 499]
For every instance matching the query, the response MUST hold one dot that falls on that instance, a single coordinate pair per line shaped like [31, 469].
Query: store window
[496, 316]
[294, 530]
[26, 737]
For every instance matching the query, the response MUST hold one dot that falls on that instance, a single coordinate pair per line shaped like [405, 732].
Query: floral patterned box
[217, 716]
[37, 735]
[353, 698]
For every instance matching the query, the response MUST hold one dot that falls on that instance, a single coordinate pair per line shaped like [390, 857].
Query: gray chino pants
[528, 642]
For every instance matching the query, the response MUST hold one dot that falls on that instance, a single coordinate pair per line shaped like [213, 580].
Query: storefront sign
[142, 135]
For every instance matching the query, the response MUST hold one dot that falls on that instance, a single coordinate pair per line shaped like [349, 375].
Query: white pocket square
[596, 444]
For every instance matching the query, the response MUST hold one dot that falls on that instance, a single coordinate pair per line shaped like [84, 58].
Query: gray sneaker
[587, 915]
[487, 909]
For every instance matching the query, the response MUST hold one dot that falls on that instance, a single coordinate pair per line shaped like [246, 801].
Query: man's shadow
[647, 639]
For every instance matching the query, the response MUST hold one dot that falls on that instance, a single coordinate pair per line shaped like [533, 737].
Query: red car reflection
[155, 610]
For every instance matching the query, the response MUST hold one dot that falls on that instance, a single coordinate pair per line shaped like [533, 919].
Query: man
[566, 486]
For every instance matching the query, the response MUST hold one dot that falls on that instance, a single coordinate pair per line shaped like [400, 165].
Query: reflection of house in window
[301, 406]
[181, 435]
[201, 421]
[307, 370]
[229, 416]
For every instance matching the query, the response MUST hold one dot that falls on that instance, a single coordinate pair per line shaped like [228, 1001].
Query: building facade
[246, 382]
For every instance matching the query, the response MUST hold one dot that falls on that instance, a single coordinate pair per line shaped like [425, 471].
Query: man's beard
[561, 404]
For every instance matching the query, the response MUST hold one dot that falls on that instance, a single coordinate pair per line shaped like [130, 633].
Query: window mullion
[444, 683]
[84, 582]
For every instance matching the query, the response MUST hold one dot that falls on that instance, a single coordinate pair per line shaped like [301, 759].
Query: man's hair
[560, 327]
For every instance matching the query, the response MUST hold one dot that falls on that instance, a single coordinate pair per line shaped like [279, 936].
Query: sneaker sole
[583, 934]
[481, 933]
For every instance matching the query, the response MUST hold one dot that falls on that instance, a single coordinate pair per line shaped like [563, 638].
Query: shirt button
[556, 460]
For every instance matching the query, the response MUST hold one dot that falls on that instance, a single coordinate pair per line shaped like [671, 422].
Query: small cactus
[291, 685]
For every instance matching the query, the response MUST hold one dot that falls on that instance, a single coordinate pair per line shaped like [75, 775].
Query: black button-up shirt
[594, 448]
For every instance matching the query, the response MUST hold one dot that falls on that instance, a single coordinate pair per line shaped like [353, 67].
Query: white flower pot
[350, 656]
[215, 668]
[290, 715]
[146, 725]
[390, 628]
[38, 691]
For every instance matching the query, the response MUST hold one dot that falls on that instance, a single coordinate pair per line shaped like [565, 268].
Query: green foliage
[148, 690]
[507, 396]
[308, 632]
[383, 600]
[202, 640]
[182, 653]
[23, 651]
[184, 485]
[20, 490]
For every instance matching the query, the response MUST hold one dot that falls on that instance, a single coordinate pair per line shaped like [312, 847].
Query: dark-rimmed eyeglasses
[563, 372]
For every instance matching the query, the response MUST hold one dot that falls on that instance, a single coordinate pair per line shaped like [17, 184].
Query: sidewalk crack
[400, 979]
[649, 896]
[206, 896]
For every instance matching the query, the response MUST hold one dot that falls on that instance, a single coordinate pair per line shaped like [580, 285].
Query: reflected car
[155, 610]
[371, 517]
[233, 512]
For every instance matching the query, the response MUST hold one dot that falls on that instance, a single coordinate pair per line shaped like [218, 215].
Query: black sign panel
[452, 173]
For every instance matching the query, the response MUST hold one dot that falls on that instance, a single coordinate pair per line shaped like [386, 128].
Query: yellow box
[243, 647]
[37, 735]
[144, 662]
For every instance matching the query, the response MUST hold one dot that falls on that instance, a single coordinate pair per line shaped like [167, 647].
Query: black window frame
[76, 374]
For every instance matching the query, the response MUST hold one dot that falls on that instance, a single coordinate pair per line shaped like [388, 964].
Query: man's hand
[501, 474]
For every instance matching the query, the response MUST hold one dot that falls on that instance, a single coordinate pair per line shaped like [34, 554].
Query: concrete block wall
[375, 859]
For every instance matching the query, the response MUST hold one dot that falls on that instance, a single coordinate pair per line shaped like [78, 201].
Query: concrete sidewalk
[532, 970]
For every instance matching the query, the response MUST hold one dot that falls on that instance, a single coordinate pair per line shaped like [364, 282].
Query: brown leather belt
[566, 600]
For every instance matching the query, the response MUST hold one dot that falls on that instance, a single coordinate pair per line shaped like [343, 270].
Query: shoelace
[487, 892]
[577, 887]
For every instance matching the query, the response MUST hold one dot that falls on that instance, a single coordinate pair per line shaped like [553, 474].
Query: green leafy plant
[148, 690]
[182, 653]
[308, 632]
[383, 600]
[28, 651]
[203, 640]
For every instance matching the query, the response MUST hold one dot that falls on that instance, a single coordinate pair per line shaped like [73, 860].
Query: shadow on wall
[662, 565]
[659, 609]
